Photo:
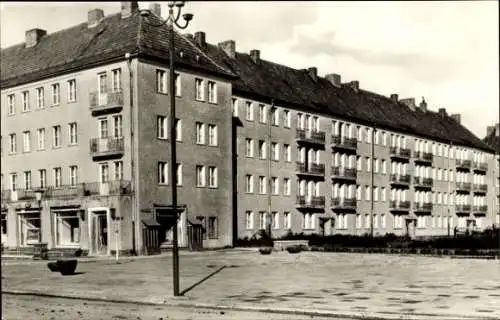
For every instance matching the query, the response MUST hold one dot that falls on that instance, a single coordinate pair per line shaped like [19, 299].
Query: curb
[304, 312]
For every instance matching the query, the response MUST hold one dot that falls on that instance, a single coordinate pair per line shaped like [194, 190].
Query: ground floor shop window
[67, 228]
[30, 228]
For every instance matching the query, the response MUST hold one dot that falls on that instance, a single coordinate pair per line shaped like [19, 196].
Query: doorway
[99, 235]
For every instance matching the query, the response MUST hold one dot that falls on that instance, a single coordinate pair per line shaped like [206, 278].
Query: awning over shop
[151, 223]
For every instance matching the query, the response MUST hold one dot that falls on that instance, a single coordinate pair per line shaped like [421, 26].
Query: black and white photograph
[281, 160]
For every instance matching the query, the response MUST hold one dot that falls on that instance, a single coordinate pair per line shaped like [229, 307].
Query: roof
[82, 47]
[493, 140]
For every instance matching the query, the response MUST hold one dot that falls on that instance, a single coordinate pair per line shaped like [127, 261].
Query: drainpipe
[449, 188]
[372, 179]
[269, 170]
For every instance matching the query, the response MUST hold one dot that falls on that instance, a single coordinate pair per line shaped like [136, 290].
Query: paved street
[333, 283]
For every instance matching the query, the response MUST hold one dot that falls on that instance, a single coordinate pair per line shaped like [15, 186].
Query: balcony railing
[400, 179]
[344, 143]
[105, 102]
[462, 208]
[311, 201]
[464, 164]
[480, 188]
[310, 136]
[423, 182]
[103, 147]
[421, 156]
[463, 186]
[399, 205]
[480, 166]
[480, 209]
[344, 173]
[343, 203]
[402, 153]
[422, 206]
[68, 192]
[311, 169]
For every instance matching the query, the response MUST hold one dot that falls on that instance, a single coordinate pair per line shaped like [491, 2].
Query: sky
[445, 51]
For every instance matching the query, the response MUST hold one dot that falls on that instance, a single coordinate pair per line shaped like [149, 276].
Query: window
[309, 221]
[249, 220]
[368, 164]
[161, 127]
[383, 194]
[367, 221]
[41, 138]
[55, 94]
[375, 194]
[275, 151]
[249, 111]
[118, 170]
[275, 119]
[13, 181]
[275, 186]
[26, 141]
[200, 176]
[26, 101]
[40, 98]
[57, 177]
[103, 128]
[72, 90]
[42, 173]
[249, 183]
[287, 153]
[72, 133]
[262, 220]
[421, 222]
[384, 142]
[359, 221]
[359, 164]
[11, 102]
[102, 81]
[286, 186]
[161, 81]
[116, 80]
[384, 166]
[12, 143]
[368, 135]
[162, 172]
[177, 84]
[199, 90]
[56, 133]
[249, 147]
[287, 220]
[212, 177]
[178, 130]
[315, 124]
[367, 193]
[383, 221]
[73, 175]
[212, 228]
[212, 134]
[262, 185]
[276, 220]
[375, 166]
[235, 107]
[342, 221]
[178, 172]
[67, 228]
[27, 180]
[398, 222]
[262, 149]
[358, 193]
[212, 92]
[262, 113]
[287, 119]
[117, 127]
[200, 133]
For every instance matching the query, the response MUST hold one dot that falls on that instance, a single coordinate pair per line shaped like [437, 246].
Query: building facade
[493, 140]
[86, 153]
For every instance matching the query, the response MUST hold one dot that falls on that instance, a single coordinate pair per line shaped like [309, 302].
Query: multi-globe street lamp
[174, 15]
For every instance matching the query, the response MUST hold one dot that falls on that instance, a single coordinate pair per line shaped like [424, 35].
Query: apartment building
[85, 146]
[493, 140]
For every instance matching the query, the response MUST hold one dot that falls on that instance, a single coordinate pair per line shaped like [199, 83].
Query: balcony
[478, 210]
[341, 173]
[106, 147]
[105, 103]
[344, 143]
[400, 153]
[401, 180]
[462, 208]
[479, 166]
[312, 170]
[310, 202]
[423, 183]
[463, 187]
[342, 204]
[423, 157]
[403, 206]
[463, 164]
[479, 188]
[310, 137]
[422, 207]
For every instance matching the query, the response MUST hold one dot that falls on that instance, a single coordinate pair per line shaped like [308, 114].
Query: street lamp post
[170, 21]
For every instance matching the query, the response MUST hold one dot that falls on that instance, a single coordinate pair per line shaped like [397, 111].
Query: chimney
[442, 112]
[255, 55]
[128, 8]
[229, 47]
[199, 39]
[456, 117]
[409, 102]
[34, 36]
[313, 73]
[94, 17]
[423, 105]
[189, 36]
[354, 85]
[334, 79]
[394, 97]
[490, 130]
[155, 8]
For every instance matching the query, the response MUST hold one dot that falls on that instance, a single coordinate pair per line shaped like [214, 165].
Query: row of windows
[41, 138]
[263, 185]
[205, 175]
[199, 86]
[264, 114]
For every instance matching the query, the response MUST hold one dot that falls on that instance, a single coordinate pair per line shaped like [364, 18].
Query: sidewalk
[309, 283]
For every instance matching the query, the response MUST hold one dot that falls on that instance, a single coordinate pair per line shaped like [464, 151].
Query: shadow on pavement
[183, 292]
